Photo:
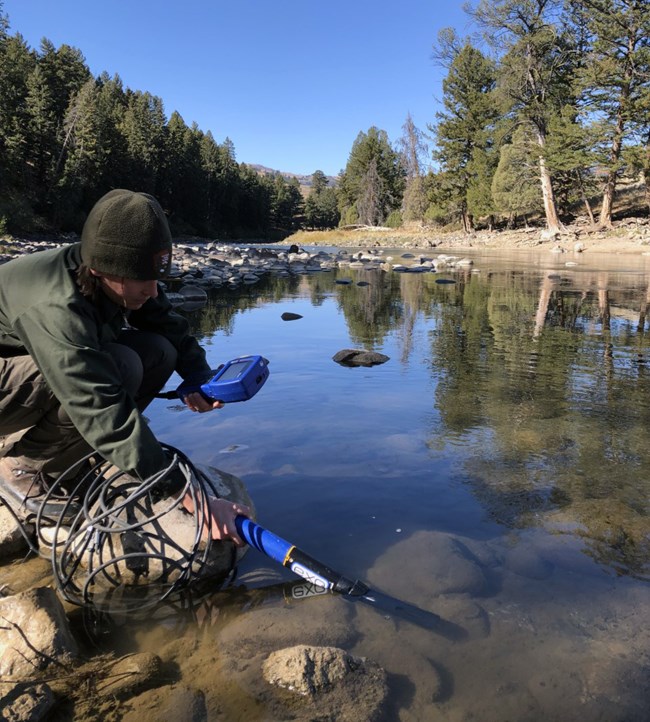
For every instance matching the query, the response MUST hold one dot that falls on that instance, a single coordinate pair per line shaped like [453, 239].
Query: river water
[495, 471]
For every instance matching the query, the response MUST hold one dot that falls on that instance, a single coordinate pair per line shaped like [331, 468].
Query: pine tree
[111, 107]
[614, 78]
[223, 184]
[464, 130]
[16, 65]
[570, 159]
[65, 71]
[41, 135]
[286, 203]
[181, 183]
[78, 167]
[534, 73]
[318, 182]
[255, 201]
[321, 206]
[4, 23]
[143, 128]
[515, 185]
[56, 80]
[373, 177]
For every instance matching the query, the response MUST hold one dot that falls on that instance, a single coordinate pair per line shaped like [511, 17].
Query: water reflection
[493, 473]
[540, 376]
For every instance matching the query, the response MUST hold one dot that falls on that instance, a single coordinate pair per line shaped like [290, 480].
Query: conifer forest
[544, 112]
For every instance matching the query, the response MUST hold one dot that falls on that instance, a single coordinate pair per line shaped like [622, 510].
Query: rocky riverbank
[631, 235]
[201, 264]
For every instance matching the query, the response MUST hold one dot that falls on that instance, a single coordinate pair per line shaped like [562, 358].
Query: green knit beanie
[126, 234]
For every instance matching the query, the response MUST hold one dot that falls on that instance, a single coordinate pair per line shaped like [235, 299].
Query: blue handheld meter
[237, 380]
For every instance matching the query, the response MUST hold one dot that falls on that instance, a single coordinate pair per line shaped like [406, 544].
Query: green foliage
[321, 206]
[570, 157]
[465, 133]
[481, 170]
[415, 202]
[436, 215]
[286, 203]
[515, 186]
[612, 81]
[535, 73]
[373, 179]
[349, 216]
[394, 220]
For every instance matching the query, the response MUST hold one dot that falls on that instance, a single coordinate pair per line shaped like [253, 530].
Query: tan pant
[50, 440]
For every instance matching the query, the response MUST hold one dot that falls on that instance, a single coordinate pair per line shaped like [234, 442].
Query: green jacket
[44, 314]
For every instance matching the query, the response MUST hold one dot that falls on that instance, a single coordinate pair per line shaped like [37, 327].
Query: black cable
[115, 538]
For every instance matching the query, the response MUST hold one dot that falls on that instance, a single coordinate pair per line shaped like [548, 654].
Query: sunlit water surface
[495, 471]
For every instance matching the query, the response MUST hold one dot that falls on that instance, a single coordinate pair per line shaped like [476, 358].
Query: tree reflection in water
[546, 367]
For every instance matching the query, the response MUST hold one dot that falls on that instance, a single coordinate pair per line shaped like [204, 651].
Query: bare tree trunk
[643, 311]
[608, 198]
[603, 300]
[550, 209]
[468, 222]
[614, 155]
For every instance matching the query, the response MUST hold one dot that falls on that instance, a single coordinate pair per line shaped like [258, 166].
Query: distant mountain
[303, 180]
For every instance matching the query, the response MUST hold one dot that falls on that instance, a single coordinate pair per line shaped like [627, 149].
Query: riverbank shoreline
[630, 236]
[627, 236]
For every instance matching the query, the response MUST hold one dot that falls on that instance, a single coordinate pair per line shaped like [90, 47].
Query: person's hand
[197, 402]
[219, 516]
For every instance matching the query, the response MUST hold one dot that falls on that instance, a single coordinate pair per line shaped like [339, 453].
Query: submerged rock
[308, 670]
[359, 357]
[180, 703]
[129, 675]
[329, 681]
[434, 563]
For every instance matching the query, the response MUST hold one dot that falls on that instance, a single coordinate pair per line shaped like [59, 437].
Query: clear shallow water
[512, 418]
[495, 409]
[494, 471]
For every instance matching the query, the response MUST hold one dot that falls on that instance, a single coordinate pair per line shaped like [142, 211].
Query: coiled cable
[120, 549]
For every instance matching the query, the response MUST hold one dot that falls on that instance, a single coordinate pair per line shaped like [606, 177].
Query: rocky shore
[202, 264]
[631, 235]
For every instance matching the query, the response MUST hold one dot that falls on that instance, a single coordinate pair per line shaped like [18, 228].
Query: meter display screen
[234, 370]
[237, 380]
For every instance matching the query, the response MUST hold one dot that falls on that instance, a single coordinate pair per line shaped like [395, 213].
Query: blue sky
[290, 82]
